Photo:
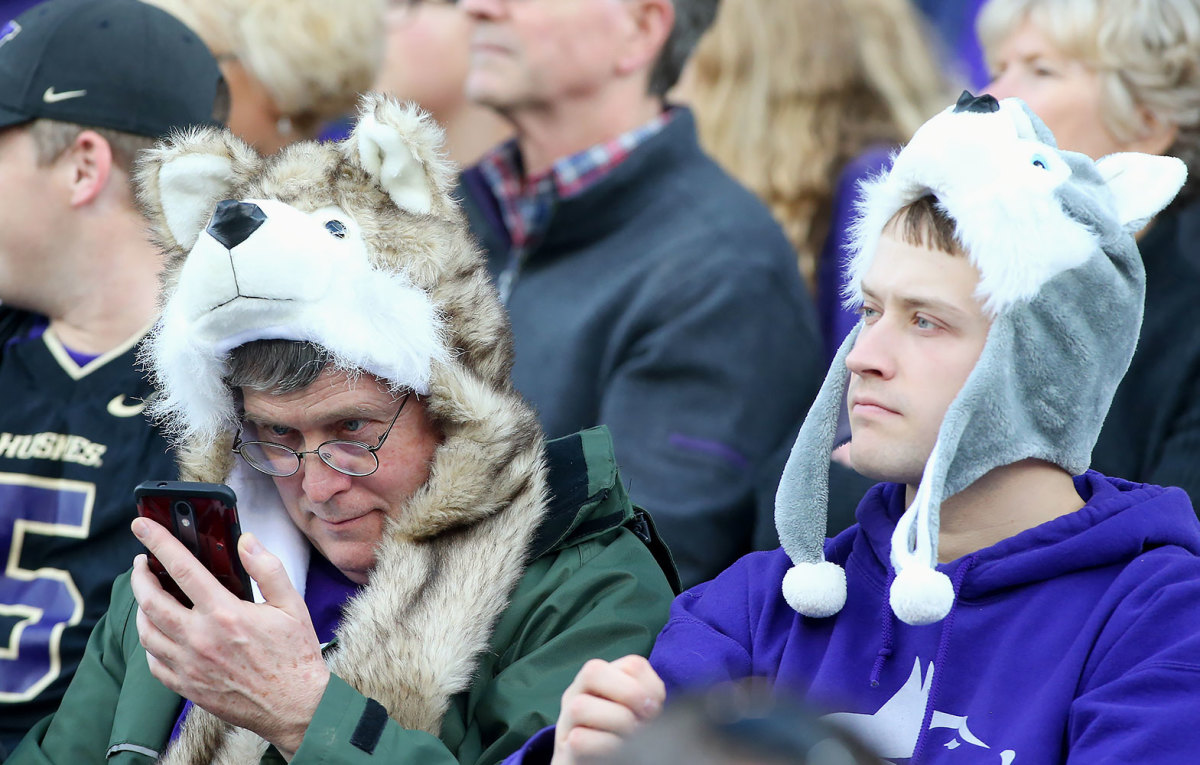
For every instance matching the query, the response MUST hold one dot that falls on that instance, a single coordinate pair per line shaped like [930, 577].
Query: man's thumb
[268, 571]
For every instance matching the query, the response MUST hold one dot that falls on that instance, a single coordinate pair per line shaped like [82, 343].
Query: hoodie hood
[1120, 521]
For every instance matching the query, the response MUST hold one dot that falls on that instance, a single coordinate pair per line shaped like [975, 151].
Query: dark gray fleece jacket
[665, 302]
[1152, 433]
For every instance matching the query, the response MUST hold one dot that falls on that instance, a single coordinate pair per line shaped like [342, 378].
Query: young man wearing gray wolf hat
[997, 601]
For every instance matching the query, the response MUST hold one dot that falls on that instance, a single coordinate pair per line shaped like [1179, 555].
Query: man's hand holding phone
[255, 665]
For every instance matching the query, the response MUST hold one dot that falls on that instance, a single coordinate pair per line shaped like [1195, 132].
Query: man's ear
[652, 21]
[89, 160]
[180, 181]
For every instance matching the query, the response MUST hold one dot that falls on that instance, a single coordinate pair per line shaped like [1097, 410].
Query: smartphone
[203, 516]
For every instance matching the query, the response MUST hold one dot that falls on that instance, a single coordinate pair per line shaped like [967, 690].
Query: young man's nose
[872, 353]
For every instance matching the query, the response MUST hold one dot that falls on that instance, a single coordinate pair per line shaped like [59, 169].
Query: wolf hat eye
[336, 227]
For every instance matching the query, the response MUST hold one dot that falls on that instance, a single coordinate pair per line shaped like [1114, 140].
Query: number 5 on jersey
[36, 605]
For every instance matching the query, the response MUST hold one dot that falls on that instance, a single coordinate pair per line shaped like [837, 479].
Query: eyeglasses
[354, 458]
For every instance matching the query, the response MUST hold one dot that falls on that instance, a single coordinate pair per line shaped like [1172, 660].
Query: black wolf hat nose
[233, 222]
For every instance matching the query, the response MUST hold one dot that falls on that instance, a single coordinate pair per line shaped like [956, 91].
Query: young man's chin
[881, 466]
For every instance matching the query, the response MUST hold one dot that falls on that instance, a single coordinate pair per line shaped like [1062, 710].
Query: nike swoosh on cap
[51, 97]
[118, 408]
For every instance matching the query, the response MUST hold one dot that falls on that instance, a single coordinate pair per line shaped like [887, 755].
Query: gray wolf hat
[117, 64]
[1051, 234]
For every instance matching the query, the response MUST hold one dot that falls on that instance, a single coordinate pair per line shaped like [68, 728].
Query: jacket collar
[603, 207]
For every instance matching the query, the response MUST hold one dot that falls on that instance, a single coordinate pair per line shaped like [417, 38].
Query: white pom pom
[815, 589]
[921, 595]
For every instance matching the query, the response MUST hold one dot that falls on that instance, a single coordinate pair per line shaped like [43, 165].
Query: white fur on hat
[331, 295]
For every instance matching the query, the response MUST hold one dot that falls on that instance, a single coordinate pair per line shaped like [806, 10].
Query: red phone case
[203, 516]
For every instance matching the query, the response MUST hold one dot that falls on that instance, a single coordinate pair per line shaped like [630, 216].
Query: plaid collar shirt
[526, 203]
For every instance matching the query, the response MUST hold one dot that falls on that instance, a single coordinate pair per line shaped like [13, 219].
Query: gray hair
[692, 20]
[276, 366]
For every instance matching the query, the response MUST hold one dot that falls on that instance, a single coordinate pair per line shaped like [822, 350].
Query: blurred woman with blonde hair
[799, 99]
[291, 65]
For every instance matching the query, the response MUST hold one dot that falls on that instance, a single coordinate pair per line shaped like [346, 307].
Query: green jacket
[599, 585]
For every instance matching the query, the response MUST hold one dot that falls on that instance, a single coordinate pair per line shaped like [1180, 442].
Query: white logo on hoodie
[894, 729]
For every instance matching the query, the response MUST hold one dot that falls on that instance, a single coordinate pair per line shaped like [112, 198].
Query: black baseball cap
[118, 64]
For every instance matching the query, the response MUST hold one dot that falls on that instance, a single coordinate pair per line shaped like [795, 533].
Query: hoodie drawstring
[887, 638]
[939, 660]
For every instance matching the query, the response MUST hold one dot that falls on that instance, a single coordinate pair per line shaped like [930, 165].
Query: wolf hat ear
[399, 146]
[1141, 184]
[181, 180]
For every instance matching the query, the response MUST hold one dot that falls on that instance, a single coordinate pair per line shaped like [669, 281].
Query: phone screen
[203, 516]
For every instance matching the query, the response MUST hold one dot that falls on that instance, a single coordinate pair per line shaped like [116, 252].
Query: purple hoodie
[1076, 641]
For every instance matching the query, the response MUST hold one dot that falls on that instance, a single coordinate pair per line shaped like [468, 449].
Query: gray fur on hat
[1051, 234]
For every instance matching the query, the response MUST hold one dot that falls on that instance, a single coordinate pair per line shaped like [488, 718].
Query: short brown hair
[51, 138]
[924, 223]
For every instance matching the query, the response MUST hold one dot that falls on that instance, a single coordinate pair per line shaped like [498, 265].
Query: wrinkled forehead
[333, 390]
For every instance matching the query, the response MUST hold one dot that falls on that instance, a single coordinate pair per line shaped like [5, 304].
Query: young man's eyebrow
[940, 307]
[918, 302]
